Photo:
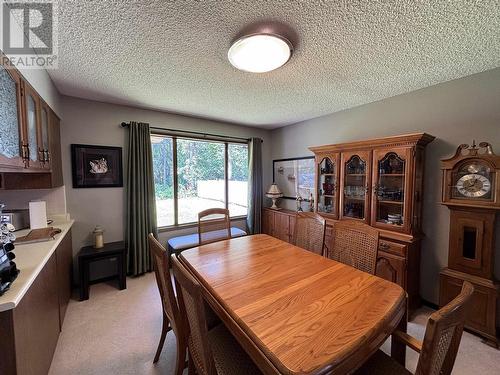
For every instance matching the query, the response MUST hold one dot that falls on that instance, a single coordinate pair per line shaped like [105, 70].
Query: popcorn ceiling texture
[172, 55]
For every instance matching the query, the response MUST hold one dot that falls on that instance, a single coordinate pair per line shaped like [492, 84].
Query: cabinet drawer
[392, 247]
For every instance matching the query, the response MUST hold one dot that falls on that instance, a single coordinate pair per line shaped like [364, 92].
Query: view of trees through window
[201, 178]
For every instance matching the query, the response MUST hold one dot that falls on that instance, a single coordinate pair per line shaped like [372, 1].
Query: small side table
[89, 254]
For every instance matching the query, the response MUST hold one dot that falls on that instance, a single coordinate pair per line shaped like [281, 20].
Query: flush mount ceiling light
[260, 53]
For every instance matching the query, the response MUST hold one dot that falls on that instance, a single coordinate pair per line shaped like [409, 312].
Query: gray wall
[90, 122]
[455, 112]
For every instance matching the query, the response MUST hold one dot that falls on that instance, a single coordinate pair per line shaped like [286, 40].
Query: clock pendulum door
[470, 190]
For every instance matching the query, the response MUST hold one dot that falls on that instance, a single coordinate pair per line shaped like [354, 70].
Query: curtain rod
[199, 134]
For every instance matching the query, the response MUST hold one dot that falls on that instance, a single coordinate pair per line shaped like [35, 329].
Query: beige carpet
[116, 332]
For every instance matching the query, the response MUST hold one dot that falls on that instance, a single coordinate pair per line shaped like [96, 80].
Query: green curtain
[141, 207]
[254, 185]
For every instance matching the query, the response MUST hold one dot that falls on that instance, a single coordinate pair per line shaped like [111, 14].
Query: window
[191, 175]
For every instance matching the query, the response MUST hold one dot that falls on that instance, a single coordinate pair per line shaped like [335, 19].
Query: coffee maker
[8, 269]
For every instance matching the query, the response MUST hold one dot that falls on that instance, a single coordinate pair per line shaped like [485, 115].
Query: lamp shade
[274, 191]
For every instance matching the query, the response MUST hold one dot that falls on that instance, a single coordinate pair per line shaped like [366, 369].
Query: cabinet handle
[383, 246]
[41, 156]
[25, 155]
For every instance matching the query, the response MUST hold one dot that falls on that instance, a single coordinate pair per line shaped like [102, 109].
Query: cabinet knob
[383, 246]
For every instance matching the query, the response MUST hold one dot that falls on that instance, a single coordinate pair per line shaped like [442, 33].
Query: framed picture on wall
[96, 166]
[294, 176]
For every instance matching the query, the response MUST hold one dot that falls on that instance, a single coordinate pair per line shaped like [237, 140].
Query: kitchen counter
[30, 260]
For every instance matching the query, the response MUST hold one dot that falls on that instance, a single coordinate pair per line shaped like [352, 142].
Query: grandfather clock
[471, 190]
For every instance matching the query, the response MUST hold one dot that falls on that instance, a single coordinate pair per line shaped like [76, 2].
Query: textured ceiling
[171, 55]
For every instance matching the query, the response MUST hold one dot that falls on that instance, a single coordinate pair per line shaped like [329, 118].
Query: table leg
[84, 279]
[122, 272]
[398, 348]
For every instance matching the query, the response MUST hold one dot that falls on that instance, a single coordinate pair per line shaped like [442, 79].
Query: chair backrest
[213, 225]
[165, 285]
[355, 244]
[443, 334]
[309, 232]
[192, 309]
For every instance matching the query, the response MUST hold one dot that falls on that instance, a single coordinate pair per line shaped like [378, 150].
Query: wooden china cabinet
[30, 146]
[378, 182]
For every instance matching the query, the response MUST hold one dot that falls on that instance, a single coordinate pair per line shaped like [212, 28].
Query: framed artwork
[96, 166]
[295, 176]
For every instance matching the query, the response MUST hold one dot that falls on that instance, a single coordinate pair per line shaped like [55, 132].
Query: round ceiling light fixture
[260, 53]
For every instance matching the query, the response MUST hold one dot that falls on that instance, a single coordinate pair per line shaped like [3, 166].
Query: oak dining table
[295, 312]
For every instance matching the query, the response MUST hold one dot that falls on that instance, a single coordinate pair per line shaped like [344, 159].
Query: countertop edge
[9, 305]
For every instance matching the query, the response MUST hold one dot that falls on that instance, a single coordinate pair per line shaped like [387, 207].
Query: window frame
[222, 140]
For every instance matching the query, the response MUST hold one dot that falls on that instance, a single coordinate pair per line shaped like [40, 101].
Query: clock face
[473, 185]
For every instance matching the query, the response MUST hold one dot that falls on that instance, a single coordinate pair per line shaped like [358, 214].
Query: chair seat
[381, 364]
[229, 356]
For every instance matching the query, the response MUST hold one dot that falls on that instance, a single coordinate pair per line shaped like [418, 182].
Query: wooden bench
[176, 244]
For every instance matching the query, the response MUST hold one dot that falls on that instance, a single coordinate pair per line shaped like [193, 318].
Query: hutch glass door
[355, 186]
[389, 189]
[327, 185]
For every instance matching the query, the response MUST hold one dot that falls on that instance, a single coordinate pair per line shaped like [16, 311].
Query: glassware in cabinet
[327, 173]
[355, 187]
[389, 189]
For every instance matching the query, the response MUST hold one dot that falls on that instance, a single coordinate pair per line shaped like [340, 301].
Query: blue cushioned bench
[177, 244]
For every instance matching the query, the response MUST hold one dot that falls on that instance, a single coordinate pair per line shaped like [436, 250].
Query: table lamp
[274, 193]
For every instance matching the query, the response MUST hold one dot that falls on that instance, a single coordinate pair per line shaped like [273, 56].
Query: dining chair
[355, 244]
[213, 225]
[214, 351]
[309, 232]
[171, 318]
[440, 346]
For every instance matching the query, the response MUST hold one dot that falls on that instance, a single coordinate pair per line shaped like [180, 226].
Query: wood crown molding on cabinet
[420, 139]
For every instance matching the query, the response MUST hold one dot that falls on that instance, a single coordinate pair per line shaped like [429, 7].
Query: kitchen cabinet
[30, 330]
[53, 153]
[30, 145]
[64, 258]
[11, 142]
[31, 128]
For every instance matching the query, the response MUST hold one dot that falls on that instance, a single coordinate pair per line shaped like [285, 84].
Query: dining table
[296, 312]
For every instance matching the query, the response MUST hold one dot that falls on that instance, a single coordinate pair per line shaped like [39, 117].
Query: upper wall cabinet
[43, 147]
[32, 126]
[30, 146]
[12, 151]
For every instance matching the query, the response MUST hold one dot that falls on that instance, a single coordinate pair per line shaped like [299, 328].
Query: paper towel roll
[38, 214]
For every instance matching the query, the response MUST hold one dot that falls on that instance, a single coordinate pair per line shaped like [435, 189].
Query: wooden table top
[304, 314]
